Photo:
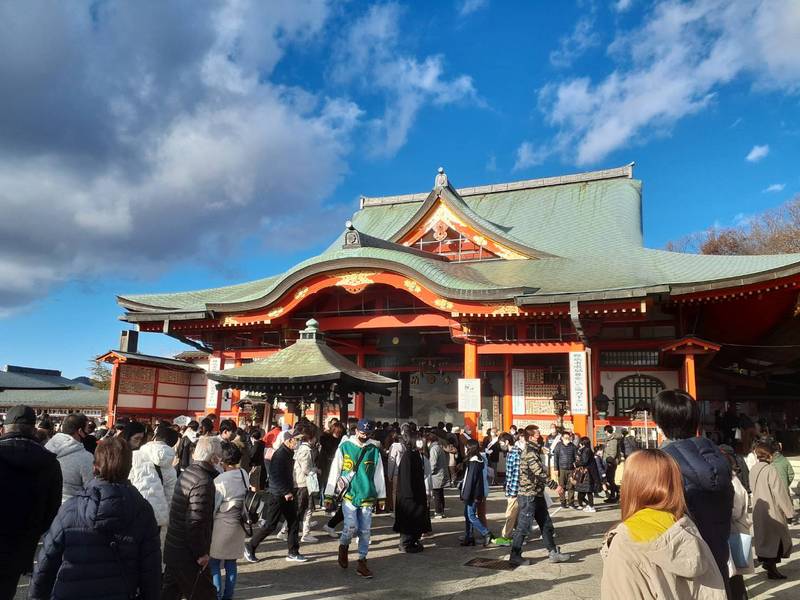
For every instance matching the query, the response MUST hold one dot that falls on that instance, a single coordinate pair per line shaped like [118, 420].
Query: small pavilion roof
[308, 363]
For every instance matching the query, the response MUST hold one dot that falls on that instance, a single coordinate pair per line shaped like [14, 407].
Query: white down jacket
[76, 464]
[144, 477]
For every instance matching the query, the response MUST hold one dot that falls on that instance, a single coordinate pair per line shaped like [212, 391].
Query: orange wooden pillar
[236, 395]
[359, 397]
[690, 375]
[471, 372]
[508, 399]
[113, 393]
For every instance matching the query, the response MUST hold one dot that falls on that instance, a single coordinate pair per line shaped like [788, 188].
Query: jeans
[216, 566]
[356, 519]
[471, 521]
[532, 508]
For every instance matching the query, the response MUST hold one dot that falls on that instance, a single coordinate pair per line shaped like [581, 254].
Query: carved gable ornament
[355, 282]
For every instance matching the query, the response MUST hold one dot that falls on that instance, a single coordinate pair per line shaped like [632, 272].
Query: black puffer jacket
[31, 496]
[77, 559]
[191, 515]
[709, 491]
[564, 456]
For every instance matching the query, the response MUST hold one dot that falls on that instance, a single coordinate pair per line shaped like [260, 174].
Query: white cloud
[774, 188]
[467, 7]
[529, 156]
[491, 164]
[574, 45]
[670, 67]
[757, 153]
[623, 5]
[371, 55]
[140, 134]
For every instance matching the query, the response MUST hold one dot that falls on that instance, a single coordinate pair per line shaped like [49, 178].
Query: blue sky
[172, 146]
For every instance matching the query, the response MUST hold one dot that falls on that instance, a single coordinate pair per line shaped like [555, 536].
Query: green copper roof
[308, 361]
[589, 231]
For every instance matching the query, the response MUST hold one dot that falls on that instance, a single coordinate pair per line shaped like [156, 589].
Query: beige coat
[678, 565]
[772, 509]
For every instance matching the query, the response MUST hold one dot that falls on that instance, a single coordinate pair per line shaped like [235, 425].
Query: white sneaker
[308, 539]
[282, 536]
[589, 509]
[330, 531]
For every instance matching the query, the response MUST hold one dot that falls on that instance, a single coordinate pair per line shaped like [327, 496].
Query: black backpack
[629, 446]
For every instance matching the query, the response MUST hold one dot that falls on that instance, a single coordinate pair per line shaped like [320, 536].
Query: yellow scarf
[648, 524]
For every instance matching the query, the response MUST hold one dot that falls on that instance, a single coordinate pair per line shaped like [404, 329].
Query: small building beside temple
[531, 290]
[49, 393]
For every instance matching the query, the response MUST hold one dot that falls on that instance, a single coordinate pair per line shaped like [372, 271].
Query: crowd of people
[166, 511]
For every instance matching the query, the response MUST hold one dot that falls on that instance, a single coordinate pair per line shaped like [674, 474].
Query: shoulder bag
[344, 481]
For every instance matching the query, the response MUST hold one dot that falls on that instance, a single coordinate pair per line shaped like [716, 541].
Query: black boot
[517, 560]
[772, 572]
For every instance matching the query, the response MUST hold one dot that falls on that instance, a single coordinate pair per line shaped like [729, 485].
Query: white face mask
[521, 443]
[420, 444]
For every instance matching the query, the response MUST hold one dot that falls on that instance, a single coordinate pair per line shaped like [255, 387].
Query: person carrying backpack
[629, 445]
[186, 446]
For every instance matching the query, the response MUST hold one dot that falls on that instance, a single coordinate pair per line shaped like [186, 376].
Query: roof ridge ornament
[312, 332]
[352, 238]
[441, 179]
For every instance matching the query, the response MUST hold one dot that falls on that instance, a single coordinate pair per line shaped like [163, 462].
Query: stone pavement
[439, 572]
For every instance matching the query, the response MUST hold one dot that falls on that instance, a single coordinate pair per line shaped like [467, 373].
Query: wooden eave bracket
[691, 345]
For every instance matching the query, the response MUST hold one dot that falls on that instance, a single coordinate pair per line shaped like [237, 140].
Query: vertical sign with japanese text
[212, 394]
[518, 391]
[578, 392]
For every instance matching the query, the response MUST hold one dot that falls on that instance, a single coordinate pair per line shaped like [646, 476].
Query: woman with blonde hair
[657, 551]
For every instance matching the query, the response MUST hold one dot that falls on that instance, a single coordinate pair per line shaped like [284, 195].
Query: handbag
[741, 545]
[619, 473]
[312, 483]
[579, 476]
[344, 481]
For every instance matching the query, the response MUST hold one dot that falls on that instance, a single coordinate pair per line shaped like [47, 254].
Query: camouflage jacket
[533, 475]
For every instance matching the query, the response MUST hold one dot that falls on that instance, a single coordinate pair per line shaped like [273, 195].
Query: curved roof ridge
[625, 171]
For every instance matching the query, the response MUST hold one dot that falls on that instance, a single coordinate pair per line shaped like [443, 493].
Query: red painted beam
[531, 348]
[384, 322]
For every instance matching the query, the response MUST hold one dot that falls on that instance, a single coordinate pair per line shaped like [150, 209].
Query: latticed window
[629, 358]
[451, 244]
[635, 390]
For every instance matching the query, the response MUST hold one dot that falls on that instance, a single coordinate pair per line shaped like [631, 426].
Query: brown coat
[678, 565]
[772, 509]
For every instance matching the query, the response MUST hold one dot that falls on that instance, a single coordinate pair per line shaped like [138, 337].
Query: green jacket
[784, 469]
[368, 486]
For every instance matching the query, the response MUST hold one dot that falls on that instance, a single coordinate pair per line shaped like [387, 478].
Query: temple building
[501, 303]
